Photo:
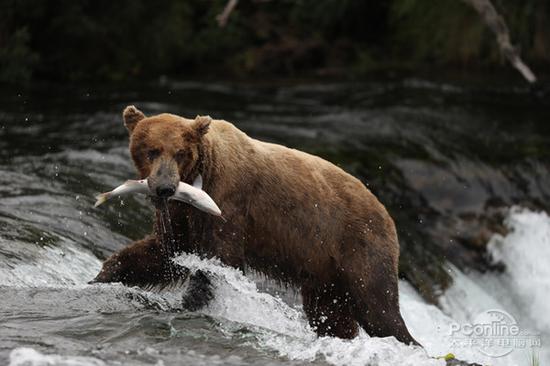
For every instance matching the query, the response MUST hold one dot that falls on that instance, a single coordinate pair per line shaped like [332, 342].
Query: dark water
[445, 159]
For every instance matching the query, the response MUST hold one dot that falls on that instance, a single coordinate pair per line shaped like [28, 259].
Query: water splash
[525, 252]
[284, 329]
[522, 290]
[50, 266]
[167, 236]
[269, 324]
[29, 357]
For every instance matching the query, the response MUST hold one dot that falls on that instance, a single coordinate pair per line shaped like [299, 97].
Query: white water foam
[50, 266]
[29, 357]
[525, 252]
[25, 356]
[521, 290]
[285, 330]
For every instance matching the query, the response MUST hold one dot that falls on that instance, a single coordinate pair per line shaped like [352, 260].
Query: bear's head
[166, 148]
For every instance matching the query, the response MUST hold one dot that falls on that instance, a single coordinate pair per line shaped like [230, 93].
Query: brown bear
[289, 215]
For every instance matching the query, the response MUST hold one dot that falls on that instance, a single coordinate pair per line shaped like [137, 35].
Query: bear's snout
[164, 178]
[166, 191]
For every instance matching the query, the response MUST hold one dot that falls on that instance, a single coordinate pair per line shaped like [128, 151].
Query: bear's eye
[180, 155]
[153, 154]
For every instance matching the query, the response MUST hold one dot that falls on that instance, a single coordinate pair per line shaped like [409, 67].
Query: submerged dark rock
[455, 362]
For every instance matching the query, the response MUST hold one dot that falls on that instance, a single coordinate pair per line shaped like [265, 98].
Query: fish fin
[101, 198]
[197, 183]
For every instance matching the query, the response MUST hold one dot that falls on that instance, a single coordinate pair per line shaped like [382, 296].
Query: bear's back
[272, 174]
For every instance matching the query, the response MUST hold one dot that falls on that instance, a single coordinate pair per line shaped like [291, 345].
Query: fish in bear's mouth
[191, 194]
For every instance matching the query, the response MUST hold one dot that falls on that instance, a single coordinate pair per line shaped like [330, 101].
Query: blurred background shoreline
[126, 40]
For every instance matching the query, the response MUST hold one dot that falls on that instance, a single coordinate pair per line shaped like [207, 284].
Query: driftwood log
[223, 17]
[497, 25]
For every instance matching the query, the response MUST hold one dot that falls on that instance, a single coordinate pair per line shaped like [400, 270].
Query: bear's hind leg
[328, 310]
[376, 307]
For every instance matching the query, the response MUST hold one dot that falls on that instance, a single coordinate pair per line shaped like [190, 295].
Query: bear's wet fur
[289, 215]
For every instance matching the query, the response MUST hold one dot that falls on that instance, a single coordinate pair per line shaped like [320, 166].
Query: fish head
[166, 149]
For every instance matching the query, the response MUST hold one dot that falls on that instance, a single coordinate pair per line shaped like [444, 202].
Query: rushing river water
[453, 164]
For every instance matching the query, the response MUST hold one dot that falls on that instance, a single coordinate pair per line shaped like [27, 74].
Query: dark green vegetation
[121, 40]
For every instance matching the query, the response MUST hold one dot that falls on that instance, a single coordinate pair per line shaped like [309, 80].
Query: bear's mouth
[160, 203]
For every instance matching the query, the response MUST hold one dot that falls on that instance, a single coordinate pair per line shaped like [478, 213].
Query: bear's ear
[131, 117]
[200, 126]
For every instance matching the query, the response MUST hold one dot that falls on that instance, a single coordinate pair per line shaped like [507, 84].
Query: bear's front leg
[143, 263]
[199, 292]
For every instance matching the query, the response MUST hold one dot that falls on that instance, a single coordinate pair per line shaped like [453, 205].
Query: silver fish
[130, 186]
[195, 196]
[191, 194]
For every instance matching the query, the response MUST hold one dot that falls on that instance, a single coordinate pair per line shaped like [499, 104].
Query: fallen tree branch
[224, 16]
[496, 23]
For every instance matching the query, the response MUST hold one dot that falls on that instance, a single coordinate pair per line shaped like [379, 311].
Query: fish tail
[101, 198]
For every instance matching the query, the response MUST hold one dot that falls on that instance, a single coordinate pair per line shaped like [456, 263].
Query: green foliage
[108, 39]
[16, 58]
[534, 359]
[124, 39]
[450, 32]
[445, 31]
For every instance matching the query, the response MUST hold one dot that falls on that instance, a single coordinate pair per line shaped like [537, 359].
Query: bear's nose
[165, 191]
